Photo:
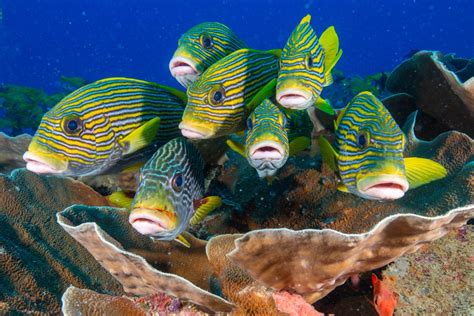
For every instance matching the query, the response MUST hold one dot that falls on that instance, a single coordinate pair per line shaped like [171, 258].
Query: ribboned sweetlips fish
[221, 99]
[200, 47]
[105, 127]
[170, 196]
[273, 135]
[368, 153]
[305, 67]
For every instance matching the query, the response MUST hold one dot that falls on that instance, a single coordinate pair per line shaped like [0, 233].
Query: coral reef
[11, 151]
[448, 261]
[133, 272]
[38, 260]
[438, 92]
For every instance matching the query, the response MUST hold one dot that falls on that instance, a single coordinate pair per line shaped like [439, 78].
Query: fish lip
[385, 187]
[38, 165]
[293, 98]
[147, 224]
[181, 66]
[192, 133]
[267, 150]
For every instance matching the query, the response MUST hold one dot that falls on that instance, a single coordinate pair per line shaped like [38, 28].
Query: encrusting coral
[11, 151]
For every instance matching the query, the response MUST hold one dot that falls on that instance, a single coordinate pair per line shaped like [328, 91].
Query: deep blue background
[43, 39]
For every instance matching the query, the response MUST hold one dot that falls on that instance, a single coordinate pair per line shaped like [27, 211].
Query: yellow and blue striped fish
[171, 192]
[369, 153]
[305, 67]
[218, 100]
[103, 123]
[272, 136]
[199, 48]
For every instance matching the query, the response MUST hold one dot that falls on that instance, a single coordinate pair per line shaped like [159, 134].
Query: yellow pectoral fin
[328, 152]
[341, 187]
[421, 171]
[120, 199]
[266, 92]
[299, 144]
[330, 41]
[237, 147]
[207, 205]
[140, 137]
[183, 241]
[134, 167]
[324, 106]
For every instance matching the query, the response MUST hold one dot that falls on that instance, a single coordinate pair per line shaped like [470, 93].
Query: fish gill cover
[189, 157]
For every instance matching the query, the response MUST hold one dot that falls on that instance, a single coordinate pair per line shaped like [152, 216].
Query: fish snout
[184, 70]
[194, 132]
[152, 222]
[267, 150]
[294, 98]
[383, 187]
[37, 164]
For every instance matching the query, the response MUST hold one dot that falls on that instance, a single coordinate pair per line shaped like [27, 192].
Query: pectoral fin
[140, 137]
[421, 171]
[330, 41]
[324, 106]
[237, 147]
[204, 207]
[120, 199]
[328, 152]
[341, 187]
[267, 91]
[299, 144]
[135, 167]
[183, 241]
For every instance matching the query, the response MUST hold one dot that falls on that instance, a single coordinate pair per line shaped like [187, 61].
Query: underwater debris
[11, 151]
[39, 260]
[438, 92]
[136, 275]
[313, 262]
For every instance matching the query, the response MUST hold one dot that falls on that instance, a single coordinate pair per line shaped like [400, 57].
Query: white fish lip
[147, 224]
[38, 165]
[295, 99]
[267, 150]
[387, 187]
[180, 66]
[192, 133]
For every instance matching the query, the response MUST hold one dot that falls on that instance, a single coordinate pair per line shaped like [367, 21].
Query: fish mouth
[295, 99]
[193, 133]
[152, 222]
[39, 165]
[184, 70]
[385, 187]
[267, 150]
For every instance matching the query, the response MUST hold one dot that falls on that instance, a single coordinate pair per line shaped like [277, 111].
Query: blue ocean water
[40, 40]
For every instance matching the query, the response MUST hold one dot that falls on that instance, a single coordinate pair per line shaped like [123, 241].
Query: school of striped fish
[266, 102]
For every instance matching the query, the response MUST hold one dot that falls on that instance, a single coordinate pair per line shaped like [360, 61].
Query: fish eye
[309, 61]
[363, 139]
[249, 123]
[177, 182]
[206, 41]
[216, 95]
[72, 125]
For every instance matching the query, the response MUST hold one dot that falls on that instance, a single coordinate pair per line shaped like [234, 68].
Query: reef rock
[38, 259]
[11, 151]
[438, 92]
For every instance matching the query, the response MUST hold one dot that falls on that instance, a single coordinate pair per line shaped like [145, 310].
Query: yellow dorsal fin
[140, 137]
[306, 19]
[276, 52]
[180, 94]
[237, 147]
[328, 152]
[183, 241]
[421, 171]
[299, 144]
[330, 41]
[120, 199]
[267, 91]
[339, 117]
[206, 205]
[324, 105]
